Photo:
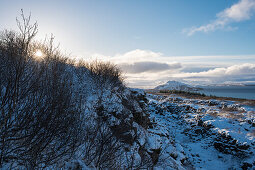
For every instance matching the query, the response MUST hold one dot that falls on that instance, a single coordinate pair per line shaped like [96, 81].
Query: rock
[226, 144]
[212, 103]
[246, 166]
[198, 131]
[219, 146]
[174, 155]
[155, 155]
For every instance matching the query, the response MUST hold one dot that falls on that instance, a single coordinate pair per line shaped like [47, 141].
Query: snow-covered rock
[210, 136]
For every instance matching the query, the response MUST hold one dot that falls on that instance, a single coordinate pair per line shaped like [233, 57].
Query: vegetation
[182, 92]
[38, 120]
[53, 109]
[197, 95]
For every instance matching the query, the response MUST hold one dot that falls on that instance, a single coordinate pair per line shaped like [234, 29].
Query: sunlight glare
[38, 53]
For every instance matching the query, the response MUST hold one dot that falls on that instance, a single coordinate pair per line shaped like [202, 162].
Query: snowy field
[204, 134]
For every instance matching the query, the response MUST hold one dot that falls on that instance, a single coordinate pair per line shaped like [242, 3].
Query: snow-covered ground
[202, 134]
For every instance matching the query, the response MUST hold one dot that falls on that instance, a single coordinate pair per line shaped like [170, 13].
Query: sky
[152, 41]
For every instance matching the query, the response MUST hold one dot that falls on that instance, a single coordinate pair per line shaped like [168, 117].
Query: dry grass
[231, 115]
[191, 96]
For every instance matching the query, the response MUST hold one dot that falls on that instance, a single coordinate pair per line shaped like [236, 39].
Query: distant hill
[229, 84]
[175, 85]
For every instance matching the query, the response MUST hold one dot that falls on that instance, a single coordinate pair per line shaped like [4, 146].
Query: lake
[245, 92]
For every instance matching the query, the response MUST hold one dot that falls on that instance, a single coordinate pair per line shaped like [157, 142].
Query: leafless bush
[42, 112]
[105, 72]
[101, 149]
[38, 117]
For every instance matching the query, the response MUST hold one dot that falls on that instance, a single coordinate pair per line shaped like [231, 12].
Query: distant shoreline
[201, 96]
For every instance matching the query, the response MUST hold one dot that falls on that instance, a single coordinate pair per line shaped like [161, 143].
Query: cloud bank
[148, 66]
[235, 73]
[241, 11]
[147, 69]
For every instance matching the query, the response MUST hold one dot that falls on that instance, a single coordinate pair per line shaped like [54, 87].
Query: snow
[194, 133]
[173, 85]
[190, 133]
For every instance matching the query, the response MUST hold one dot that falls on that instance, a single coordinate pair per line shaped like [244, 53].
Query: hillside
[175, 85]
[206, 134]
[57, 113]
[193, 133]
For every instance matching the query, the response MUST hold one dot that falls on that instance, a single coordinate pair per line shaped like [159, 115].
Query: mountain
[175, 85]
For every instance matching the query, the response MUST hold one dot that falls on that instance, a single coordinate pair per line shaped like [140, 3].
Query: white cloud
[235, 73]
[147, 69]
[148, 66]
[241, 11]
[141, 61]
[136, 56]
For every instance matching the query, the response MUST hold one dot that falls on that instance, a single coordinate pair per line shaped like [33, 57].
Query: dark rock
[155, 155]
[184, 160]
[219, 147]
[198, 131]
[226, 144]
[174, 155]
[212, 103]
[246, 166]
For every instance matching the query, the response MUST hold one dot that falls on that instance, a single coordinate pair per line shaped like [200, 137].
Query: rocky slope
[204, 134]
[171, 132]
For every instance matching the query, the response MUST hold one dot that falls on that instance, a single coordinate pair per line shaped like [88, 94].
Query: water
[245, 92]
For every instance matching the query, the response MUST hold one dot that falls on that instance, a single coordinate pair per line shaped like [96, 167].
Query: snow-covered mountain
[175, 85]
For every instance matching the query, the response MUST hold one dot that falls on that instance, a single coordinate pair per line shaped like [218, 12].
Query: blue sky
[179, 31]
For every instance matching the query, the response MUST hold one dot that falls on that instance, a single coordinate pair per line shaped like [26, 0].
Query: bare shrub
[101, 148]
[44, 117]
[105, 72]
[38, 117]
